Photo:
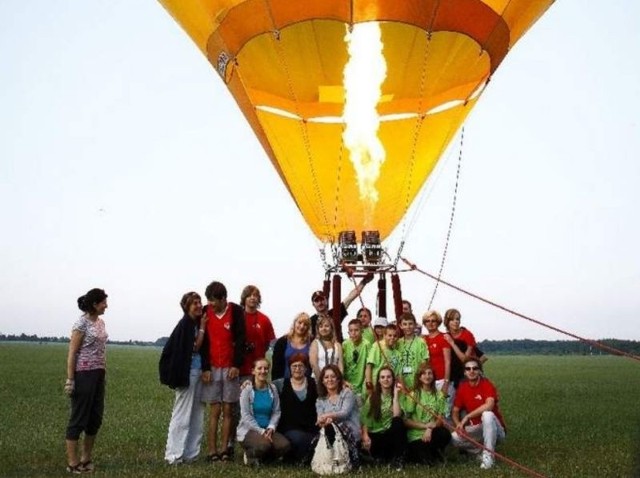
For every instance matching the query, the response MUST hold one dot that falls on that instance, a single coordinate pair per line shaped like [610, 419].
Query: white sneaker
[250, 461]
[487, 462]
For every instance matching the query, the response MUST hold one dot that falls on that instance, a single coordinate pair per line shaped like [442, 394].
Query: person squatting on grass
[383, 431]
[259, 417]
[258, 336]
[426, 433]
[226, 334]
[184, 366]
[477, 398]
[337, 405]
[86, 362]
[298, 417]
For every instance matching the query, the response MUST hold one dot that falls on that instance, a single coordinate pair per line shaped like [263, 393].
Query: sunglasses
[430, 321]
[472, 368]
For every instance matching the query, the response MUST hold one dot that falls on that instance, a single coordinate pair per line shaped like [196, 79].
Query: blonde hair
[433, 313]
[301, 316]
[322, 319]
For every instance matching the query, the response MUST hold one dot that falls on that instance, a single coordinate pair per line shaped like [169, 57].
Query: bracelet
[201, 330]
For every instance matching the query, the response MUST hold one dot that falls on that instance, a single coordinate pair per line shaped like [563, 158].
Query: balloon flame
[364, 74]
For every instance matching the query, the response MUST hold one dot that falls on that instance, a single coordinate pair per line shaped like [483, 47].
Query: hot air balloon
[298, 69]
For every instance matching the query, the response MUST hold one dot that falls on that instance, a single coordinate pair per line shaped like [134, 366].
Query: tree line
[491, 347]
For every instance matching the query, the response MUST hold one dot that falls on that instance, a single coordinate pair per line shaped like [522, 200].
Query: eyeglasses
[297, 365]
[472, 368]
[430, 321]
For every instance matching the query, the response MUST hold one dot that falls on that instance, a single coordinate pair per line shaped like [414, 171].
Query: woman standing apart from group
[259, 417]
[86, 363]
[184, 366]
[298, 340]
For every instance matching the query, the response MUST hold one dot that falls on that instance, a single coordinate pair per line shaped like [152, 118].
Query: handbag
[331, 459]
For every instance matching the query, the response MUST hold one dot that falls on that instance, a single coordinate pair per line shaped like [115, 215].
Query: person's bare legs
[227, 422]
[87, 448]
[212, 433]
[72, 452]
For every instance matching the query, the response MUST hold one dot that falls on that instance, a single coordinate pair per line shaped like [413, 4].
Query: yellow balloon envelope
[284, 61]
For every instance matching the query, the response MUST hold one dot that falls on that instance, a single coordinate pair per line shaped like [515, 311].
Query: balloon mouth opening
[386, 118]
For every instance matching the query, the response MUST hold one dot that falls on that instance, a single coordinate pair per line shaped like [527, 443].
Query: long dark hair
[375, 399]
[87, 303]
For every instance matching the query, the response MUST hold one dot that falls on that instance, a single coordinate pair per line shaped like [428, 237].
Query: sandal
[74, 469]
[86, 466]
[226, 456]
[213, 457]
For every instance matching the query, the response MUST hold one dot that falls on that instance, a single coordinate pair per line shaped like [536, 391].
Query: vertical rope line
[451, 218]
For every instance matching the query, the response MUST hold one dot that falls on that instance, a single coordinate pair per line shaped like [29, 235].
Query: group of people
[391, 394]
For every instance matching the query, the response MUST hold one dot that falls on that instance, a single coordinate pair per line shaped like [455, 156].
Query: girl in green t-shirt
[383, 431]
[424, 409]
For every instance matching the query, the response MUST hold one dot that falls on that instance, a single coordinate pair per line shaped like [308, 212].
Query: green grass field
[566, 417]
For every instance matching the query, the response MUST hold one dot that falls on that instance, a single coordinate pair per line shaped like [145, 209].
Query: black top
[175, 360]
[296, 414]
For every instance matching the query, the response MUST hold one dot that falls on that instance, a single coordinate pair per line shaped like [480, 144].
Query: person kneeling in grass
[259, 417]
[383, 431]
[424, 408]
[477, 397]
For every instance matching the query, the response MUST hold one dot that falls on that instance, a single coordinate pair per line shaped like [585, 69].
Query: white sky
[125, 164]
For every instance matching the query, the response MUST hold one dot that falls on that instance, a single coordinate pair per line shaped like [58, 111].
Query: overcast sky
[125, 164]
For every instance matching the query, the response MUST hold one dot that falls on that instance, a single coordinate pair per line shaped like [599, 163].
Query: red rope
[594, 343]
[477, 444]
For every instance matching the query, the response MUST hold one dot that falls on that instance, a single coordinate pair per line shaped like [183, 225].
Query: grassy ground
[566, 417]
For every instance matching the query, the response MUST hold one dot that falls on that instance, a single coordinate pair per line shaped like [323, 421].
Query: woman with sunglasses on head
[439, 353]
[383, 431]
[298, 417]
[298, 340]
[184, 366]
[424, 410]
[86, 364]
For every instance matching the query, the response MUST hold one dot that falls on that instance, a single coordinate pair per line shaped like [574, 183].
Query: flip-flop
[86, 466]
[74, 469]
[212, 458]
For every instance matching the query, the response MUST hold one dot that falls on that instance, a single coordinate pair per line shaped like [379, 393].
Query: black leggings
[431, 452]
[87, 404]
[390, 443]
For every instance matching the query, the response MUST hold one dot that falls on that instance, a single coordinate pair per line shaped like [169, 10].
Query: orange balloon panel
[283, 61]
